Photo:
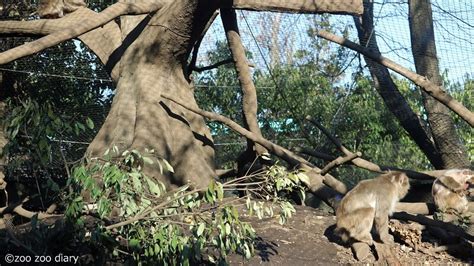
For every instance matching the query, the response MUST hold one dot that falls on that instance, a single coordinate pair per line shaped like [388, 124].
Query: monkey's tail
[343, 233]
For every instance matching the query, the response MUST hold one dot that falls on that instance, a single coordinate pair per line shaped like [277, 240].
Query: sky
[454, 29]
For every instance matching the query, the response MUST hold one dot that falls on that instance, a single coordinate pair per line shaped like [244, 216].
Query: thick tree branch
[339, 161]
[452, 152]
[82, 26]
[359, 162]
[103, 41]
[351, 7]
[428, 86]
[313, 153]
[249, 92]
[291, 158]
[192, 63]
[389, 92]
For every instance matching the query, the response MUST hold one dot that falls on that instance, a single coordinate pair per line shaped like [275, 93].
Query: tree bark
[147, 56]
[453, 152]
[152, 64]
[249, 92]
[350, 7]
[389, 92]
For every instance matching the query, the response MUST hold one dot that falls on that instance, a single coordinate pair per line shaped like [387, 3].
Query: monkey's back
[369, 194]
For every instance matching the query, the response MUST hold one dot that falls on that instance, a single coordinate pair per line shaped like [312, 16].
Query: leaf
[304, 178]
[227, 229]
[81, 126]
[134, 243]
[136, 181]
[247, 251]
[266, 156]
[220, 191]
[147, 160]
[200, 229]
[90, 123]
[153, 187]
[168, 166]
[211, 259]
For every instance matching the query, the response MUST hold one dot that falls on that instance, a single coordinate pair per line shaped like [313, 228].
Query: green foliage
[273, 187]
[174, 227]
[47, 124]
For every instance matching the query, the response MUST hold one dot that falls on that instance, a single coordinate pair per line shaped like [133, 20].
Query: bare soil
[308, 239]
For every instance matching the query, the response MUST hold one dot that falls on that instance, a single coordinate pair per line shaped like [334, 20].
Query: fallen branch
[362, 163]
[83, 26]
[415, 207]
[339, 161]
[26, 213]
[430, 222]
[432, 89]
[293, 159]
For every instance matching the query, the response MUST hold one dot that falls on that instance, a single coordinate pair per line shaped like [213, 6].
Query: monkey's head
[469, 176]
[402, 183]
[462, 176]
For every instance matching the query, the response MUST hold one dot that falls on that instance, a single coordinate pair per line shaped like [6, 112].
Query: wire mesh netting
[275, 43]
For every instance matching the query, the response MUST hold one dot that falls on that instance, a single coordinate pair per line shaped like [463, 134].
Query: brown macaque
[368, 202]
[451, 189]
[58, 8]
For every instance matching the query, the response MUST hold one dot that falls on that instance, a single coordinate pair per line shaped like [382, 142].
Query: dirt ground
[307, 239]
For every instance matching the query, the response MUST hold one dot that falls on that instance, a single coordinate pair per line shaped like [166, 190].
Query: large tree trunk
[453, 152]
[389, 92]
[146, 57]
[152, 64]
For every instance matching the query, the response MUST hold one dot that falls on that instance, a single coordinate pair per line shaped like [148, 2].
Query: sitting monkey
[451, 189]
[369, 201]
[58, 8]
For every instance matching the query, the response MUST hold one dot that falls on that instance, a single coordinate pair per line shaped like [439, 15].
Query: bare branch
[389, 91]
[218, 64]
[351, 7]
[339, 161]
[81, 27]
[103, 41]
[293, 159]
[26, 213]
[314, 153]
[249, 92]
[415, 207]
[428, 86]
[425, 175]
[192, 64]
